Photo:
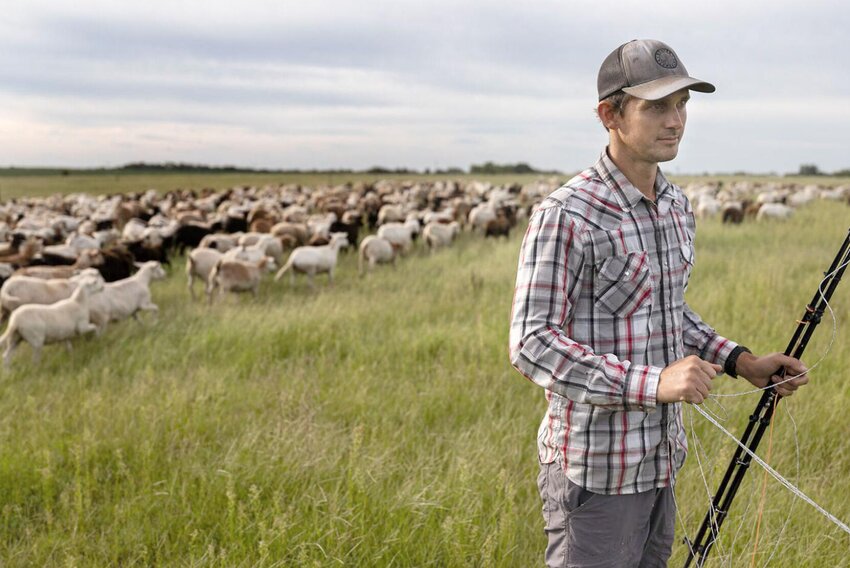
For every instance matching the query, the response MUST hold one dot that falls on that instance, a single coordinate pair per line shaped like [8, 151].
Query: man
[600, 321]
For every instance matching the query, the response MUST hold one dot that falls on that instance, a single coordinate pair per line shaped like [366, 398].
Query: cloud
[405, 83]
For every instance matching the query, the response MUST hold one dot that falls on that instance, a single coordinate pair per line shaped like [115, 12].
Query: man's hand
[687, 380]
[760, 370]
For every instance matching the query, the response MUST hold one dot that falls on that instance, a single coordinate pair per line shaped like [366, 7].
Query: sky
[424, 84]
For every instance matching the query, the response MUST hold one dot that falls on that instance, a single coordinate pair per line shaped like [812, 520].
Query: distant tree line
[813, 170]
[180, 167]
[490, 168]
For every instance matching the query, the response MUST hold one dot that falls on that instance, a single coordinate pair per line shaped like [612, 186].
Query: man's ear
[608, 115]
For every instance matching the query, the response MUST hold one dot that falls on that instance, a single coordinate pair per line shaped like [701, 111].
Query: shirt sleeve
[548, 282]
[698, 337]
[701, 340]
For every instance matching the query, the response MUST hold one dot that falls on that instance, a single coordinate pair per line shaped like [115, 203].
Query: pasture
[378, 422]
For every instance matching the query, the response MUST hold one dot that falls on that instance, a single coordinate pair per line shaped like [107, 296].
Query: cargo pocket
[624, 284]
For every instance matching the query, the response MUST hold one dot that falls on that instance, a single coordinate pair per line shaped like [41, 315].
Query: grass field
[378, 422]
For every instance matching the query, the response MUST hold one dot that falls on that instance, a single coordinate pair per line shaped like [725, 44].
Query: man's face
[650, 131]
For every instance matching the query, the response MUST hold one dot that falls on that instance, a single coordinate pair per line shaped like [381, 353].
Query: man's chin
[667, 155]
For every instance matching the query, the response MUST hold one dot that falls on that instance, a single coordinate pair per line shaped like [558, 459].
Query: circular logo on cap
[666, 58]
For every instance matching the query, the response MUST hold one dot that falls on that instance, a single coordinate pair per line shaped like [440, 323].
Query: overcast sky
[424, 84]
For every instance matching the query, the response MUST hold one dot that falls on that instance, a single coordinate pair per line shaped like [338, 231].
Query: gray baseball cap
[646, 69]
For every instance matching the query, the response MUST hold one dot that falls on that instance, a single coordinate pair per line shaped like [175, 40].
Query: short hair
[618, 101]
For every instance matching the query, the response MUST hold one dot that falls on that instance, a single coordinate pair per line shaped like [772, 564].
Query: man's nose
[675, 118]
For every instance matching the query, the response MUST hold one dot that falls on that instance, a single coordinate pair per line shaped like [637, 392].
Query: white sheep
[20, 290]
[219, 242]
[437, 235]
[480, 215]
[400, 235]
[200, 263]
[124, 298]
[375, 250]
[311, 260]
[42, 324]
[390, 213]
[269, 246]
[774, 211]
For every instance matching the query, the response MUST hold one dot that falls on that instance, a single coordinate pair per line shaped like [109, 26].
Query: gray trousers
[604, 531]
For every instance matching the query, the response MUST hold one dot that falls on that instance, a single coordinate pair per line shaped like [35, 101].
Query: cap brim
[660, 88]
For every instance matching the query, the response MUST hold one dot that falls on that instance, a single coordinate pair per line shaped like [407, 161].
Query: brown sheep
[498, 227]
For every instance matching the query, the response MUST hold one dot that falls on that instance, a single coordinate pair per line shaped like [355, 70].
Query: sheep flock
[70, 264]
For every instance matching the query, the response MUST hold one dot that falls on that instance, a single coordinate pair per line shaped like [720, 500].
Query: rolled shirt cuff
[641, 387]
[717, 350]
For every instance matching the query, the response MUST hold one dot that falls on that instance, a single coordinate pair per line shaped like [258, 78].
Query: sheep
[375, 250]
[6, 271]
[437, 234]
[201, 262]
[60, 321]
[270, 244]
[707, 208]
[298, 231]
[732, 212]
[774, 211]
[230, 275]
[312, 260]
[219, 242]
[28, 249]
[118, 263]
[124, 298]
[400, 235]
[390, 213]
[480, 215]
[20, 290]
[253, 253]
[498, 227]
[87, 259]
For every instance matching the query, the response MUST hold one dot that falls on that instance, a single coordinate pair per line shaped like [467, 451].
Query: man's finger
[710, 369]
[794, 366]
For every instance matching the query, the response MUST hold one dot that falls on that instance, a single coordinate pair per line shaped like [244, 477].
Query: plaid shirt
[599, 310]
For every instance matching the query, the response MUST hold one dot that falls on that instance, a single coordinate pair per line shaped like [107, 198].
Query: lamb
[20, 290]
[312, 260]
[42, 324]
[124, 298]
[438, 234]
[375, 250]
[237, 276]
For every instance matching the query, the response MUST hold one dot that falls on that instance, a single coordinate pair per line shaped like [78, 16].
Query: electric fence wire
[819, 361]
[713, 417]
[775, 474]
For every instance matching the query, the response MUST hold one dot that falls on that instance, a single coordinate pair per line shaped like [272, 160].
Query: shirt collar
[627, 194]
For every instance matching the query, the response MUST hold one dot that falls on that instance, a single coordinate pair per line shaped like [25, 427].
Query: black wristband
[732, 361]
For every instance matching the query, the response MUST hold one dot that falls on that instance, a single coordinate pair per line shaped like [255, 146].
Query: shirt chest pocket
[687, 261]
[623, 284]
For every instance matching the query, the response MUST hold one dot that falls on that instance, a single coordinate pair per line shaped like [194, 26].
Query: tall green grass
[377, 422]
